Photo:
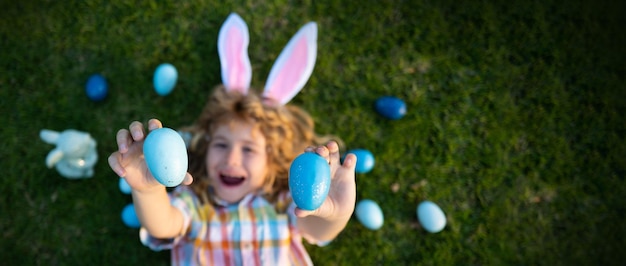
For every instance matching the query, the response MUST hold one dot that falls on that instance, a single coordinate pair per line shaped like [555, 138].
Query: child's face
[236, 161]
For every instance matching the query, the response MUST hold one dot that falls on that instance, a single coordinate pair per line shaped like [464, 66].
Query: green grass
[515, 123]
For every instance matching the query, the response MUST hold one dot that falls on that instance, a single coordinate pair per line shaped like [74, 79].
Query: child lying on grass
[234, 206]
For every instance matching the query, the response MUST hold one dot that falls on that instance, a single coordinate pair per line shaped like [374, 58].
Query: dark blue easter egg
[364, 160]
[129, 216]
[96, 88]
[309, 180]
[391, 107]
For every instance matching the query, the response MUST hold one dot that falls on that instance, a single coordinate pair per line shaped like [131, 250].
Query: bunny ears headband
[290, 72]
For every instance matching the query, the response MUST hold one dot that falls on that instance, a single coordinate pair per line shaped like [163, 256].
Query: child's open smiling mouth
[232, 181]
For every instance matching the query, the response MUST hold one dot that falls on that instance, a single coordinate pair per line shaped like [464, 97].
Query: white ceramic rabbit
[288, 75]
[75, 153]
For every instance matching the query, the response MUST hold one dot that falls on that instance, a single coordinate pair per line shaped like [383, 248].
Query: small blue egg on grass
[124, 186]
[309, 180]
[165, 77]
[431, 217]
[364, 160]
[369, 214]
[129, 216]
[391, 107]
[96, 87]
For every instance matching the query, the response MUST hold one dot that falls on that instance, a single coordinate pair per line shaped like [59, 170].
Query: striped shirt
[250, 232]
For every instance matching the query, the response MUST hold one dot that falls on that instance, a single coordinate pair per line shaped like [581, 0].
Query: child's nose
[233, 157]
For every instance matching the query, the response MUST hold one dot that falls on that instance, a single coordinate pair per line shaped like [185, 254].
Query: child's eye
[248, 150]
[219, 145]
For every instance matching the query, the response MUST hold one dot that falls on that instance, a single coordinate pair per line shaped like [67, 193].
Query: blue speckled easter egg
[431, 217]
[166, 156]
[369, 214]
[129, 216]
[364, 160]
[165, 77]
[309, 180]
[96, 87]
[391, 107]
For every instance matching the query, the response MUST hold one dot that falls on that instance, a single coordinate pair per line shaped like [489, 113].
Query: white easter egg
[369, 214]
[165, 77]
[431, 217]
[166, 156]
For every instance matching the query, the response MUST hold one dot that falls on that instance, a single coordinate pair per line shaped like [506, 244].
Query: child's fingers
[303, 213]
[333, 149]
[154, 124]
[324, 152]
[350, 161]
[123, 140]
[188, 179]
[136, 130]
[327, 209]
[116, 166]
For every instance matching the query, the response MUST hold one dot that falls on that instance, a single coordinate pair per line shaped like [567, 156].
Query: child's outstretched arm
[326, 222]
[150, 198]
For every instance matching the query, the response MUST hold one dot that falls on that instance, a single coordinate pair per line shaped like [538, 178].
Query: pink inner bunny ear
[294, 66]
[232, 47]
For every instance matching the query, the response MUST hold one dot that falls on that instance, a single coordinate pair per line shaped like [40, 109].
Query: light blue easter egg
[309, 180]
[391, 107]
[166, 156]
[124, 186]
[96, 87]
[364, 160]
[129, 216]
[431, 217]
[165, 77]
[369, 214]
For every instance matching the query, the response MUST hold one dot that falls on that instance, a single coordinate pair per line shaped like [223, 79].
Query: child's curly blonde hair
[288, 130]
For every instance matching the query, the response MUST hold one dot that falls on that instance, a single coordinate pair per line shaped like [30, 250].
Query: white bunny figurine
[75, 153]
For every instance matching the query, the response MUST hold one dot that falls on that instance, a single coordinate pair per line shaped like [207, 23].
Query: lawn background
[514, 126]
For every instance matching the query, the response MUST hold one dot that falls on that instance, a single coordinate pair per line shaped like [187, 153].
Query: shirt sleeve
[158, 244]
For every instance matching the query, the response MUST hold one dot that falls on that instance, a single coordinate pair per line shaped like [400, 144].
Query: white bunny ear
[232, 47]
[294, 66]
[54, 156]
[49, 136]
